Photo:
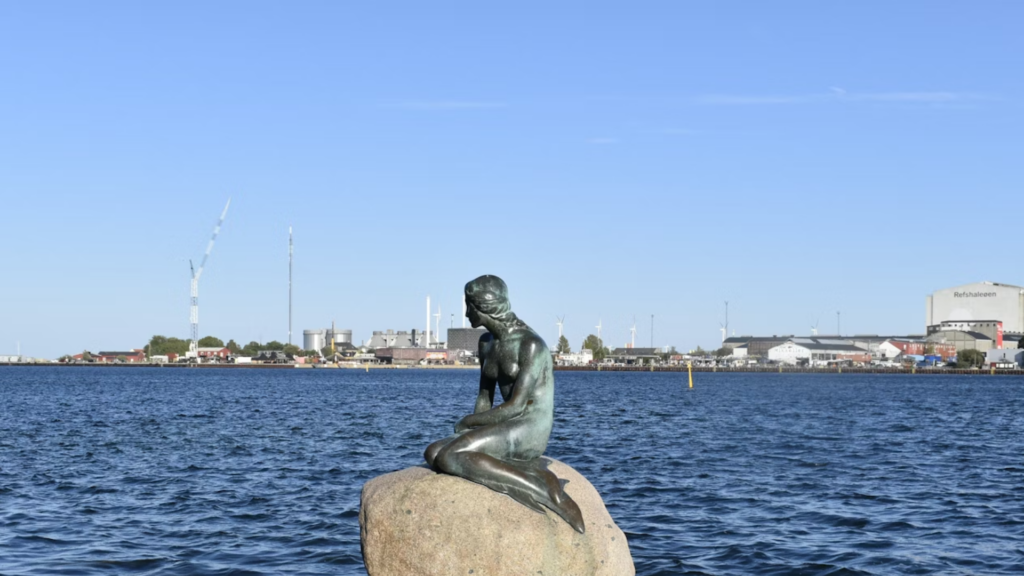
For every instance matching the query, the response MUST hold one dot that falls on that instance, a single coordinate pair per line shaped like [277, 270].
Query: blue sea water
[147, 471]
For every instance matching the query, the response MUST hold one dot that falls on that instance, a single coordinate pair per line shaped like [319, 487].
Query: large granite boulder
[416, 522]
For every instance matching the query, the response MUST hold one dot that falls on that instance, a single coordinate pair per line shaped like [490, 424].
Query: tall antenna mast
[193, 351]
[426, 343]
[437, 324]
[652, 330]
[291, 252]
[839, 330]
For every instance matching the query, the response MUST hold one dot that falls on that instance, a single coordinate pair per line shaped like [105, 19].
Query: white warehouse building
[817, 351]
[979, 301]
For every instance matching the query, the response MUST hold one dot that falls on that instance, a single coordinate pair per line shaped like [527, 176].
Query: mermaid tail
[552, 488]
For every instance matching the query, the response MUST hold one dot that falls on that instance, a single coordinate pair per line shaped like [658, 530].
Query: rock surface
[416, 522]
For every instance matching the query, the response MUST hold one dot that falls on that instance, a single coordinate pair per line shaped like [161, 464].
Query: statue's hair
[489, 295]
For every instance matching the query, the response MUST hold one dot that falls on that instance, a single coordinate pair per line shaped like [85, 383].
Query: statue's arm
[485, 398]
[531, 368]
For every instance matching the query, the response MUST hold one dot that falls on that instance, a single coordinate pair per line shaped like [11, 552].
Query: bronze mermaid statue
[501, 446]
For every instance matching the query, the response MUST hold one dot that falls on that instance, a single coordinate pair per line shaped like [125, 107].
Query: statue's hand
[463, 425]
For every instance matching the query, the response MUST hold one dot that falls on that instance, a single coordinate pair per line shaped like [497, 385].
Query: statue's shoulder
[485, 339]
[533, 342]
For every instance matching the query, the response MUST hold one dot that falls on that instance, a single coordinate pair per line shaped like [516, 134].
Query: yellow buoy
[689, 372]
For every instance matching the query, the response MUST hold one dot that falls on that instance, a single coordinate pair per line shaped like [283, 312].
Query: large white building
[986, 301]
[817, 351]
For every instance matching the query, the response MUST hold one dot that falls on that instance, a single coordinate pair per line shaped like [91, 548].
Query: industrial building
[1005, 358]
[991, 328]
[817, 351]
[634, 356]
[895, 348]
[963, 340]
[317, 339]
[400, 339]
[582, 358]
[981, 301]
[467, 339]
[755, 345]
[411, 356]
[132, 356]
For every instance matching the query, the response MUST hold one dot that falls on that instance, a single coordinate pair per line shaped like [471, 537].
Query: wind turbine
[632, 334]
[814, 329]
[193, 347]
[598, 329]
[559, 324]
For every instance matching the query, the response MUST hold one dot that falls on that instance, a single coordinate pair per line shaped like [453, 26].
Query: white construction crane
[193, 347]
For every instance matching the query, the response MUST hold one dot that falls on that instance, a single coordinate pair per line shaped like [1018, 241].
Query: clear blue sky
[606, 159]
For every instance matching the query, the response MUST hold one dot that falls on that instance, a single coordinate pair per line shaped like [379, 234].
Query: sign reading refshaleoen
[974, 294]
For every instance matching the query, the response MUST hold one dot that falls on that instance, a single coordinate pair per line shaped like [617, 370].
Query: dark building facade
[465, 339]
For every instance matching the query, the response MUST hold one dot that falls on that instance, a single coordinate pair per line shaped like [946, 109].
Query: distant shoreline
[673, 369]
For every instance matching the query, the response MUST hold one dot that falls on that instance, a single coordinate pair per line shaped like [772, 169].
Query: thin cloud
[445, 104]
[733, 100]
[837, 94]
[926, 97]
[677, 132]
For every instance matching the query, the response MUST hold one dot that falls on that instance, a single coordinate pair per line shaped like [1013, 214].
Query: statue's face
[473, 315]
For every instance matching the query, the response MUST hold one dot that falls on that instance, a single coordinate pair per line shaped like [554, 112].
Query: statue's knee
[447, 459]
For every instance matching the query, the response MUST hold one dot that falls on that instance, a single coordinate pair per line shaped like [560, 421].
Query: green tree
[122, 359]
[665, 356]
[596, 345]
[86, 356]
[163, 345]
[211, 342]
[563, 345]
[251, 349]
[273, 345]
[723, 352]
[929, 348]
[700, 352]
[293, 350]
[233, 347]
[969, 358]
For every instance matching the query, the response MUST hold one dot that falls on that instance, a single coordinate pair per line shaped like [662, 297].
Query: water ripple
[259, 472]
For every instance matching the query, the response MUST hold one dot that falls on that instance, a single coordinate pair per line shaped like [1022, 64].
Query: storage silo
[342, 337]
[314, 339]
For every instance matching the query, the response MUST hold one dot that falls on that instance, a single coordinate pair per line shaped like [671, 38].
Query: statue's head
[487, 296]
